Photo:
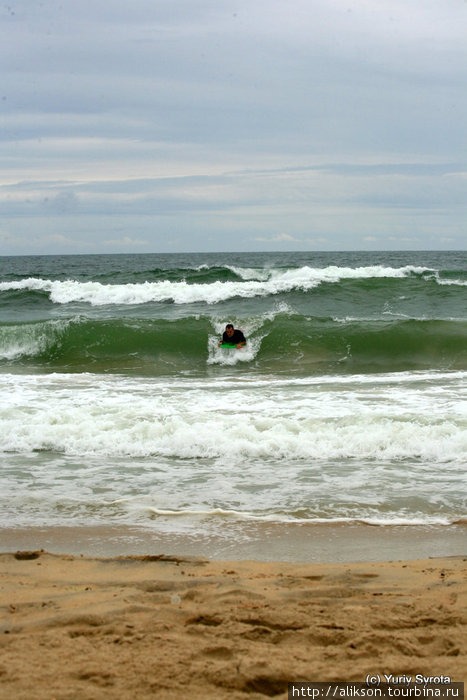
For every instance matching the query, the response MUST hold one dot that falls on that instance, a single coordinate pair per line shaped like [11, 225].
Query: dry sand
[174, 627]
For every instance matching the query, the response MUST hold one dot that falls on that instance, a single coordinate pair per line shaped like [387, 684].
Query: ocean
[347, 407]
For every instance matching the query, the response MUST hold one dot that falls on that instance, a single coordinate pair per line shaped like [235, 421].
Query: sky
[158, 126]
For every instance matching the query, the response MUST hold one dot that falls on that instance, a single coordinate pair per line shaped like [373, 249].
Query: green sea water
[348, 403]
[303, 313]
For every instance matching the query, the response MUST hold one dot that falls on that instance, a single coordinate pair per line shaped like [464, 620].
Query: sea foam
[84, 415]
[276, 282]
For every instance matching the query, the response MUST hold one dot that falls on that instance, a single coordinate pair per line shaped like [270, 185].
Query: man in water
[233, 336]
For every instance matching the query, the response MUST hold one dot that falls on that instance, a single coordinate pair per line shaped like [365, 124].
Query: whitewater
[348, 405]
[277, 282]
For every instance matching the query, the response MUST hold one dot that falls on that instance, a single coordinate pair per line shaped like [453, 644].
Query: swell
[203, 274]
[80, 344]
[220, 284]
[283, 342]
[323, 345]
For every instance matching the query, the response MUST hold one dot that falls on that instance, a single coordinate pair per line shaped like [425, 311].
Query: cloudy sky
[216, 125]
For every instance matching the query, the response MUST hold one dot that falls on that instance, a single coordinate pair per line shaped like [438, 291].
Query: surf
[271, 282]
[279, 341]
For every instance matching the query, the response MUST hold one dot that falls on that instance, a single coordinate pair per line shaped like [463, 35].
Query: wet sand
[230, 540]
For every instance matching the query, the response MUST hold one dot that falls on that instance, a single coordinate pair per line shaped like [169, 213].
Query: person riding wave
[233, 336]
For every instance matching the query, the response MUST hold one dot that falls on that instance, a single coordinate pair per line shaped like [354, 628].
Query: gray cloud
[311, 123]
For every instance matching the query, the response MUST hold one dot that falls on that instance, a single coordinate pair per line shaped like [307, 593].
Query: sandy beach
[172, 626]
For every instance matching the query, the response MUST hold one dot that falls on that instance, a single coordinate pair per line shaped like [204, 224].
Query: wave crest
[253, 283]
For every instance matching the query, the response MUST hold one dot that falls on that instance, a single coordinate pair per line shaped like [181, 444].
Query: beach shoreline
[170, 626]
[182, 522]
[262, 541]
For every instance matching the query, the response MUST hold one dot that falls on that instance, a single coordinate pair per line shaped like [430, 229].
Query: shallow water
[348, 404]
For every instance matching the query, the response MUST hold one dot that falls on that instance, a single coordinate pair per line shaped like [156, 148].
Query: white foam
[457, 283]
[388, 449]
[250, 273]
[274, 517]
[83, 415]
[219, 513]
[262, 284]
[230, 357]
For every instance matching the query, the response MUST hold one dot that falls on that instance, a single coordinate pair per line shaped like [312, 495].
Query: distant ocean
[348, 405]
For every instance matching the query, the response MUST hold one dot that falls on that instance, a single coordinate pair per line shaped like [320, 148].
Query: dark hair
[229, 325]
